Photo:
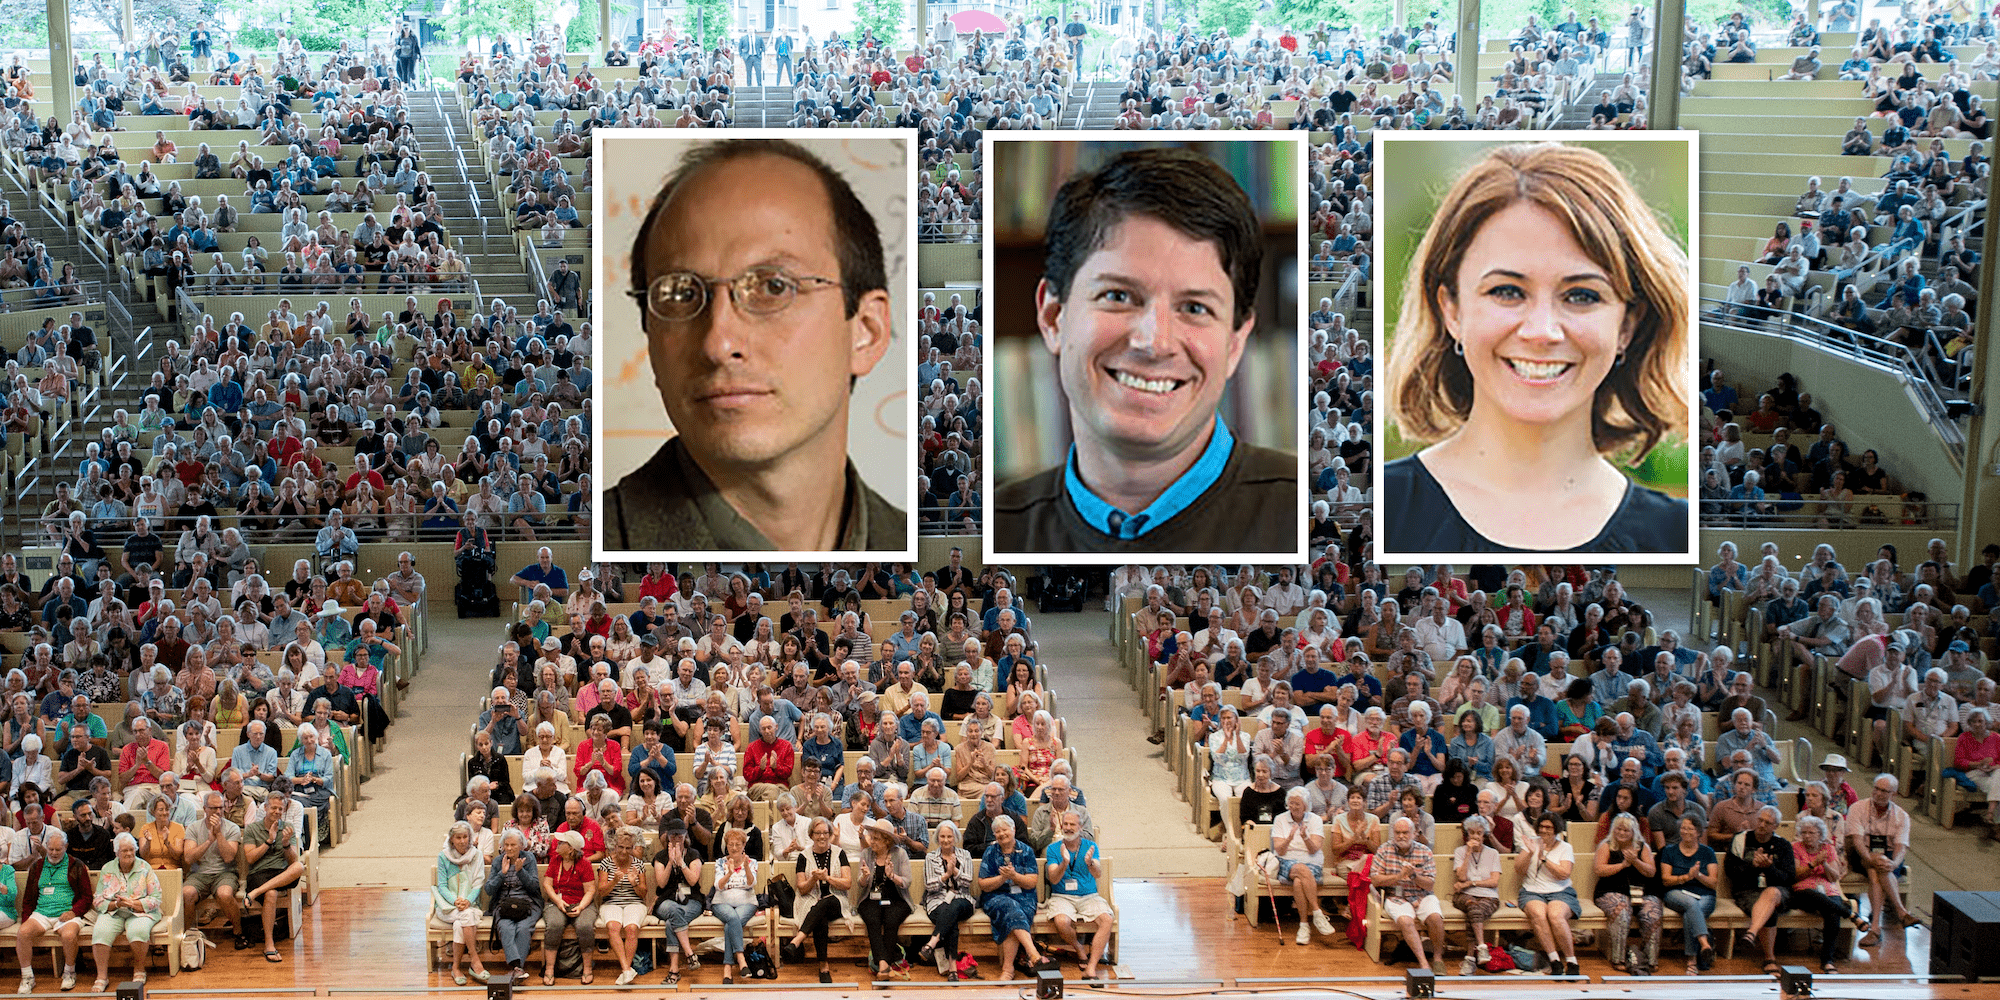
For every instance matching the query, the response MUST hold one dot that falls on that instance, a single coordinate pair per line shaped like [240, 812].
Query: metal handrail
[1894, 510]
[1864, 348]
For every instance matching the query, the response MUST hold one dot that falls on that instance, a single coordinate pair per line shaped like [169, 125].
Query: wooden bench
[168, 932]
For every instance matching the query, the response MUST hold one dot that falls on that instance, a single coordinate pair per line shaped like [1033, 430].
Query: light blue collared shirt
[1192, 484]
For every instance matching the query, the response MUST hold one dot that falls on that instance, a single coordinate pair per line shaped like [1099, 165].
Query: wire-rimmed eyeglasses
[679, 296]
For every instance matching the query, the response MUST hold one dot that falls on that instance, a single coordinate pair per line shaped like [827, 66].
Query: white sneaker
[1323, 925]
[27, 984]
[68, 980]
[627, 976]
[1468, 967]
[1482, 956]
[1305, 933]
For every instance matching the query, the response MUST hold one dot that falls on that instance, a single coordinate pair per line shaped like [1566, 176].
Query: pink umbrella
[969, 21]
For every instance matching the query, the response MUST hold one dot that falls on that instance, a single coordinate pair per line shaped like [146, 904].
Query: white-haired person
[1976, 764]
[59, 887]
[1878, 836]
[1475, 886]
[1298, 847]
[625, 888]
[128, 906]
[1406, 871]
[1008, 879]
[1818, 866]
[948, 885]
[461, 875]
[1072, 864]
[547, 753]
[514, 887]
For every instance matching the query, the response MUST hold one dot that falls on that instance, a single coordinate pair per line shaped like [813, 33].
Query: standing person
[783, 46]
[752, 50]
[409, 48]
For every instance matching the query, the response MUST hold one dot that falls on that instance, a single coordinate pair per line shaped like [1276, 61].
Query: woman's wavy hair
[1642, 400]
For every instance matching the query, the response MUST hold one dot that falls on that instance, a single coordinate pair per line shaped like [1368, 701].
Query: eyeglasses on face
[765, 290]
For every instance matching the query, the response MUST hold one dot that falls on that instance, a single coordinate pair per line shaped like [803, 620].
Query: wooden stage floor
[369, 942]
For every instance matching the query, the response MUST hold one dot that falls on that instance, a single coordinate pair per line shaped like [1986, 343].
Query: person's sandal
[457, 979]
[673, 980]
[825, 976]
[100, 985]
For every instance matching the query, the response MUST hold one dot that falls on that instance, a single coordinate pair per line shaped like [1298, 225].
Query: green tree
[711, 19]
[1233, 16]
[471, 20]
[885, 18]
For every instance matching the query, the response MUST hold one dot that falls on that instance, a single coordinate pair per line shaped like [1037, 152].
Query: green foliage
[483, 19]
[581, 36]
[885, 18]
[1303, 15]
[711, 19]
[320, 25]
[1233, 16]
[26, 24]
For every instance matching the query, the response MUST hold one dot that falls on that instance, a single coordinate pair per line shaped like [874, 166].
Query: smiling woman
[1527, 373]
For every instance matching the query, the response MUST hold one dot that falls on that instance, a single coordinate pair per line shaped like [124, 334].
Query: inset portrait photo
[754, 294]
[1144, 373]
[1536, 319]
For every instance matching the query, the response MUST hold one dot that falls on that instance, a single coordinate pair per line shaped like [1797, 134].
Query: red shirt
[768, 763]
[189, 471]
[659, 588]
[374, 480]
[158, 761]
[614, 769]
[569, 880]
[1319, 740]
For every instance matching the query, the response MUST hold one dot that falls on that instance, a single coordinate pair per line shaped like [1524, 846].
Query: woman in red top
[658, 583]
[569, 883]
[600, 753]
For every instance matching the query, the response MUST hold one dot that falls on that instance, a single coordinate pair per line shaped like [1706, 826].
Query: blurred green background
[1030, 411]
[1414, 176]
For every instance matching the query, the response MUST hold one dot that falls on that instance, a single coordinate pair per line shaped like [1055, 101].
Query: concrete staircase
[1578, 115]
[480, 231]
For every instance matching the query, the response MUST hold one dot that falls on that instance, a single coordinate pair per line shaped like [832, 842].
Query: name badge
[876, 895]
[681, 893]
[1069, 885]
[48, 890]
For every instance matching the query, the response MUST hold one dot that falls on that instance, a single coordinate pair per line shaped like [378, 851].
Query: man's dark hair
[857, 240]
[1181, 188]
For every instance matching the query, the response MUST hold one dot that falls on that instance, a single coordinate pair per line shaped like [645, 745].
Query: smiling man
[761, 281]
[1147, 299]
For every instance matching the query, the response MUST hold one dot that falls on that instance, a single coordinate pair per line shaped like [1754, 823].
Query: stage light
[132, 990]
[1795, 981]
[500, 989]
[1049, 984]
[1420, 984]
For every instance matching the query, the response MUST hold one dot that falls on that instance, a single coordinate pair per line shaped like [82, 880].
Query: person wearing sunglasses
[760, 279]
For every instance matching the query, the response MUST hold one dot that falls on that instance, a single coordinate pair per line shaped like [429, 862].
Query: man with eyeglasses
[760, 278]
[1146, 303]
